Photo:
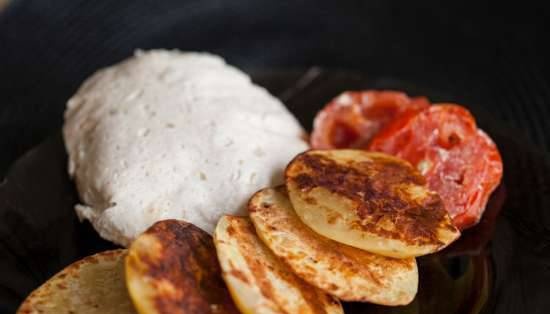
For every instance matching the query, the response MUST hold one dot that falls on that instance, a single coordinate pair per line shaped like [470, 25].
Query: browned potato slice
[346, 272]
[93, 285]
[372, 201]
[172, 268]
[258, 281]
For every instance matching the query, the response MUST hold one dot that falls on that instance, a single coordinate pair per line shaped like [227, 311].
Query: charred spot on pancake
[361, 197]
[379, 189]
[179, 266]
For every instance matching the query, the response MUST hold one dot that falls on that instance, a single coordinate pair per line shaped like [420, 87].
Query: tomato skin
[459, 161]
[488, 181]
[354, 117]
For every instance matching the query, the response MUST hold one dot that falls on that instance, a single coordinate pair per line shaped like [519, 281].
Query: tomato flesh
[459, 161]
[354, 117]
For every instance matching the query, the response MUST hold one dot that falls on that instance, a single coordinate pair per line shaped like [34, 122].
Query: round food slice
[259, 282]
[354, 117]
[371, 201]
[459, 160]
[172, 268]
[93, 285]
[346, 272]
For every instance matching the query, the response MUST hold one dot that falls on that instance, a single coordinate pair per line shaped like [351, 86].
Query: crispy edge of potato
[255, 279]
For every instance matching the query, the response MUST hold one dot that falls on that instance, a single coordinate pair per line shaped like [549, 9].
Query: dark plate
[500, 266]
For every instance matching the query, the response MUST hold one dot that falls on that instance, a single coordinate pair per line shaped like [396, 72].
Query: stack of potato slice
[348, 222]
[346, 272]
[347, 226]
[258, 281]
[170, 268]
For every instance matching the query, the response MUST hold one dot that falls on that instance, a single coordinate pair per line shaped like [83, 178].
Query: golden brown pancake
[92, 285]
[258, 281]
[346, 272]
[172, 268]
[369, 200]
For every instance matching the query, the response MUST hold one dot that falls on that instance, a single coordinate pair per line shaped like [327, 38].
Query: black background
[490, 54]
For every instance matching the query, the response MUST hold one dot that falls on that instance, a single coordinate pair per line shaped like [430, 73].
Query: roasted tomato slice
[353, 118]
[459, 161]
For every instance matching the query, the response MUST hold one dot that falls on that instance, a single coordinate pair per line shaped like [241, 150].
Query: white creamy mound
[167, 134]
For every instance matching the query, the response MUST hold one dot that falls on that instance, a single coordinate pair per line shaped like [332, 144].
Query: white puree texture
[167, 134]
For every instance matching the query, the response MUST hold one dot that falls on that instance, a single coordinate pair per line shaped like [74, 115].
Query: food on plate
[93, 285]
[172, 268]
[459, 160]
[354, 117]
[371, 201]
[258, 281]
[168, 134]
[346, 272]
